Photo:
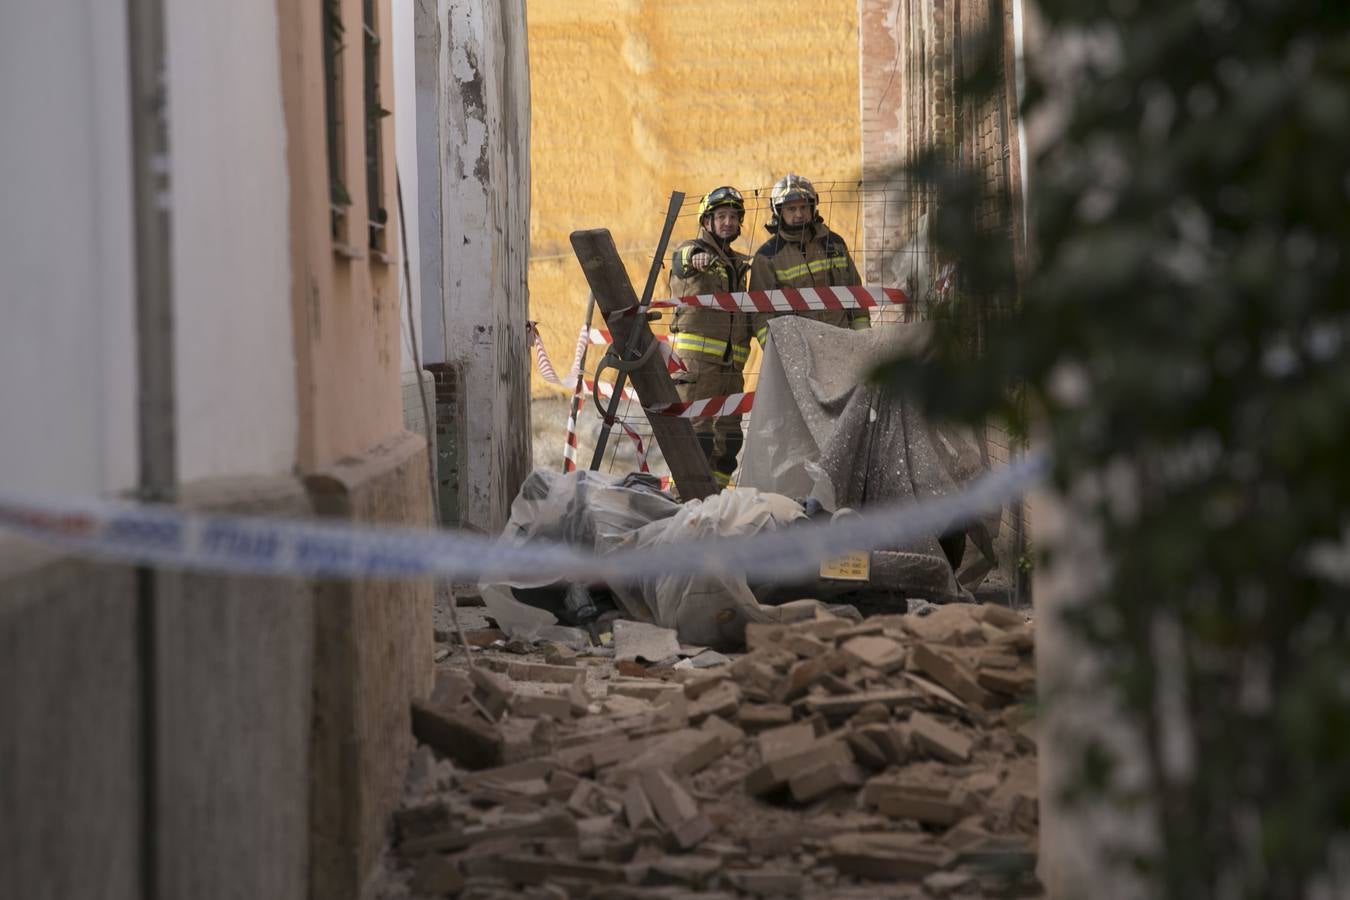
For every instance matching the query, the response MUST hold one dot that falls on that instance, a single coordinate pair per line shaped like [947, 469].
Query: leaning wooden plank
[614, 295]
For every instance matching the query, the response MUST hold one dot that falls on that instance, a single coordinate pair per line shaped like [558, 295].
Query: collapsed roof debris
[833, 759]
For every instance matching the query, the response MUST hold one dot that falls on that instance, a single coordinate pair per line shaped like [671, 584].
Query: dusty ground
[834, 760]
[548, 415]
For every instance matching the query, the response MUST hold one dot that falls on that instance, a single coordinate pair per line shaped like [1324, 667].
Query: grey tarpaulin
[820, 429]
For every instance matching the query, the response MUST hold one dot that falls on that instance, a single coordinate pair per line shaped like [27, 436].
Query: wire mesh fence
[884, 223]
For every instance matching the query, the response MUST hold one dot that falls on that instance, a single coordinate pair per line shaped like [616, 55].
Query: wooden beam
[614, 294]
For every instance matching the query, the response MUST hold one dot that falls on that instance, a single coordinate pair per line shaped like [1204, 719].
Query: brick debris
[834, 759]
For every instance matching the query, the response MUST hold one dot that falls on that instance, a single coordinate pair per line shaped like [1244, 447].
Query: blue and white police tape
[170, 537]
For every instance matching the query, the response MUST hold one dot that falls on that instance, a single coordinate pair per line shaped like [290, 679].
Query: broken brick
[885, 856]
[787, 740]
[848, 704]
[1012, 682]
[932, 804]
[675, 808]
[1000, 616]
[542, 705]
[880, 653]
[892, 740]
[437, 876]
[767, 882]
[757, 717]
[637, 808]
[722, 700]
[467, 740]
[821, 779]
[866, 750]
[951, 674]
[522, 671]
[931, 736]
[775, 773]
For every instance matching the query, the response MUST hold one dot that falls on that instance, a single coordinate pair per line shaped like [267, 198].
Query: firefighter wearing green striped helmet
[712, 343]
[802, 252]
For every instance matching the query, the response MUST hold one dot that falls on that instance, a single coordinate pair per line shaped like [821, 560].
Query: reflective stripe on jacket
[696, 343]
[725, 336]
[815, 257]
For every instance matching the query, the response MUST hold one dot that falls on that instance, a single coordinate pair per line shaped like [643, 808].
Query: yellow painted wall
[632, 99]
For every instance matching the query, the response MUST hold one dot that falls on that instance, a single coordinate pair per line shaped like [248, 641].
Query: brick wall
[449, 439]
[414, 417]
[911, 52]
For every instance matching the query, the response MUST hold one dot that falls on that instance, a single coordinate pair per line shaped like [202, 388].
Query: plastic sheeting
[820, 429]
[588, 509]
[712, 609]
[607, 512]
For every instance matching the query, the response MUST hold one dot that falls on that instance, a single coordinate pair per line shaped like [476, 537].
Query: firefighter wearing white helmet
[802, 253]
[712, 343]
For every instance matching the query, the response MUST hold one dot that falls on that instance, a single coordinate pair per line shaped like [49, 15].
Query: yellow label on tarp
[855, 566]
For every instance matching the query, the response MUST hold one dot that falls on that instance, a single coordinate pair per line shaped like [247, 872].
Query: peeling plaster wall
[473, 141]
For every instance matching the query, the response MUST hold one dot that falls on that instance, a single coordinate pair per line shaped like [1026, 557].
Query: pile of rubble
[832, 756]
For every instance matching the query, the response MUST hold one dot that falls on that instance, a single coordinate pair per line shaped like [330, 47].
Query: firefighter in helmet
[802, 252]
[713, 344]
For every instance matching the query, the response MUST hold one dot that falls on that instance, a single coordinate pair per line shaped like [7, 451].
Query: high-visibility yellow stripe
[861, 324]
[761, 333]
[814, 267]
[697, 343]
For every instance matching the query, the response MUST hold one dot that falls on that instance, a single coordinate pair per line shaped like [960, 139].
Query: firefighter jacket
[716, 335]
[812, 257]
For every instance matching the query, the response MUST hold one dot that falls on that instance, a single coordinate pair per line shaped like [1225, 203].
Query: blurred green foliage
[1182, 322]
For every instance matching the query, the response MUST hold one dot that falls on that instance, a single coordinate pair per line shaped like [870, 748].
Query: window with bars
[339, 198]
[375, 115]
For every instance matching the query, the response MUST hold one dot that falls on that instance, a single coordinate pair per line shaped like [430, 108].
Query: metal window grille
[339, 198]
[375, 114]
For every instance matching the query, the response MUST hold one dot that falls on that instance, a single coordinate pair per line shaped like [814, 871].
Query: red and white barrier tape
[725, 405]
[595, 336]
[789, 300]
[541, 360]
[943, 283]
[673, 362]
[606, 391]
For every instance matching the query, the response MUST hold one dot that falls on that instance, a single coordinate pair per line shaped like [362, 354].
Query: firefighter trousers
[720, 436]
